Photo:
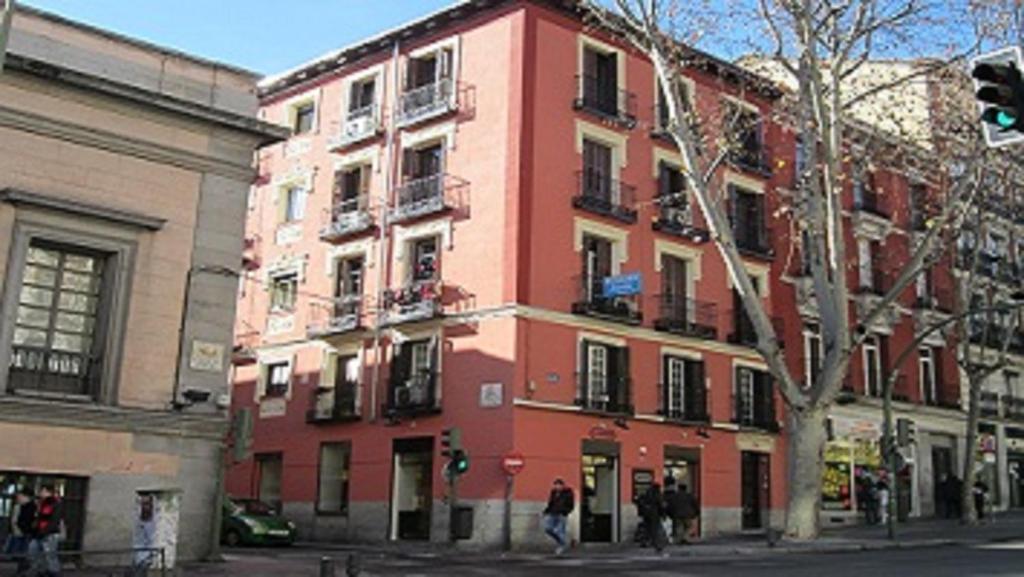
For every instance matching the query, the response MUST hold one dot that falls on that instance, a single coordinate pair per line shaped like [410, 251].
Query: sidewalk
[914, 534]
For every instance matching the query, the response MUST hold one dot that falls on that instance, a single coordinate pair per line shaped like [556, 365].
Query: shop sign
[755, 442]
[844, 428]
[602, 432]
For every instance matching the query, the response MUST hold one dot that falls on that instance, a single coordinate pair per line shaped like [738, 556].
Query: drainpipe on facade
[383, 262]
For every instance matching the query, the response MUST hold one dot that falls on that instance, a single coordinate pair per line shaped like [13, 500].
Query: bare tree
[821, 50]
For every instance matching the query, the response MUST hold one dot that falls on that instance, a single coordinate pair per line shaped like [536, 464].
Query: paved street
[939, 561]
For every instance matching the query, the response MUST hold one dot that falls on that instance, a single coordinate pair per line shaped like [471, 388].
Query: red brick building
[465, 231]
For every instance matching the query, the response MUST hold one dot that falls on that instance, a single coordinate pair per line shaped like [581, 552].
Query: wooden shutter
[583, 379]
[444, 67]
[410, 164]
[663, 390]
[590, 63]
[621, 374]
[764, 401]
[694, 390]
[401, 364]
[435, 364]
[735, 397]
[328, 370]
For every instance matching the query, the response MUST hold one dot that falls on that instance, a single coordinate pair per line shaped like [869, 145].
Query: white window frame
[597, 365]
[278, 277]
[291, 109]
[690, 97]
[812, 341]
[375, 73]
[584, 43]
[268, 375]
[926, 366]
[872, 345]
[676, 363]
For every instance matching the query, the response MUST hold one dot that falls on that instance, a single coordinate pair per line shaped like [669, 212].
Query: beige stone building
[124, 170]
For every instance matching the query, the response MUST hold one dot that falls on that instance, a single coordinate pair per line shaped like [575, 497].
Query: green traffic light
[1005, 119]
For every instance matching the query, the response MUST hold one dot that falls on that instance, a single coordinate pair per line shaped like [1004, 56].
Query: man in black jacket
[23, 515]
[560, 504]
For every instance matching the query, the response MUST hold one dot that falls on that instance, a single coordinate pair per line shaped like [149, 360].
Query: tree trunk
[807, 435]
[969, 515]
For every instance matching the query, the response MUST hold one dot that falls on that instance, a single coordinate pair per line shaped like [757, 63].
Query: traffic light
[451, 448]
[1000, 92]
[906, 432]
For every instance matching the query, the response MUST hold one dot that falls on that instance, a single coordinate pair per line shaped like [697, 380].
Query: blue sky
[265, 36]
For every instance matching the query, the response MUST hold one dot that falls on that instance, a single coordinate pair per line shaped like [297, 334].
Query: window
[58, 332]
[350, 277]
[269, 468]
[352, 188]
[604, 377]
[429, 69]
[813, 355]
[332, 491]
[683, 394]
[277, 379]
[872, 367]
[361, 98]
[295, 203]
[414, 375]
[672, 196]
[425, 259]
[674, 282]
[283, 292]
[597, 265]
[926, 370]
[597, 170]
[599, 81]
[743, 125]
[663, 110]
[918, 206]
[754, 398]
[747, 214]
[429, 86]
[871, 276]
[743, 331]
[305, 118]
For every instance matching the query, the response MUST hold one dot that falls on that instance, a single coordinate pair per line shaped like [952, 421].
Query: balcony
[413, 396]
[744, 334]
[251, 253]
[678, 221]
[425, 196]
[346, 218]
[417, 301]
[243, 352]
[334, 316]
[591, 302]
[1013, 408]
[753, 239]
[754, 159]
[336, 404]
[609, 394]
[601, 195]
[687, 317]
[869, 218]
[357, 126]
[426, 102]
[989, 404]
[596, 96]
[51, 372]
[759, 416]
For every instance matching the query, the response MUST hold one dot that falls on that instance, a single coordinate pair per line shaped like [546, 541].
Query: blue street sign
[622, 285]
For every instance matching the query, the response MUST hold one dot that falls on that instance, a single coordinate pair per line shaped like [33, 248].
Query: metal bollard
[326, 567]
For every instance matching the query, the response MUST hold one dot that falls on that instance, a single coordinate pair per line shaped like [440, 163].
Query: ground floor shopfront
[1000, 462]
[377, 482]
[853, 457]
[106, 471]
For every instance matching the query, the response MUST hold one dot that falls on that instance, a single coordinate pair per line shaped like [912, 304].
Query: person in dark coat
[684, 511]
[23, 515]
[561, 503]
[46, 531]
[979, 492]
[650, 508]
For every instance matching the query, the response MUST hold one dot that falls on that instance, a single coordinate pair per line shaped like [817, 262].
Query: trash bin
[462, 522]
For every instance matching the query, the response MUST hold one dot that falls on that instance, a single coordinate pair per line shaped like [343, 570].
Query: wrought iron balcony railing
[335, 316]
[600, 194]
[591, 301]
[416, 394]
[418, 300]
[38, 370]
[425, 196]
[335, 404]
[604, 393]
[687, 317]
[345, 218]
[428, 101]
[597, 95]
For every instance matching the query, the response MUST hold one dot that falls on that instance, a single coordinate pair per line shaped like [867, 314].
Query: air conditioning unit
[359, 127]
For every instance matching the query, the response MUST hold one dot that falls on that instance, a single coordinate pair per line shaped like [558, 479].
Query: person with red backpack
[46, 533]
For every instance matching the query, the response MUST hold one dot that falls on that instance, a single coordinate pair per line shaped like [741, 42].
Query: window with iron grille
[277, 379]
[672, 197]
[683, 394]
[604, 377]
[283, 292]
[749, 226]
[754, 401]
[57, 344]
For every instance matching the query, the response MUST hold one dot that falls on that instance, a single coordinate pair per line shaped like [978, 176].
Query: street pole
[453, 502]
[889, 458]
[507, 524]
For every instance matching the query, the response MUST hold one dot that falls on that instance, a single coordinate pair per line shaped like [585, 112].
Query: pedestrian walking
[23, 515]
[46, 533]
[866, 498]
[561, 503]
[882, 499]
[682, 508]
[979, 492]
[651, 510]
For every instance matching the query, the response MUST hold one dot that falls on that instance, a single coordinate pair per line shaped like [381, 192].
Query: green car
[252, 522]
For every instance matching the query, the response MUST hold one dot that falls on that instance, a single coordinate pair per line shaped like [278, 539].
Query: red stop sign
[513, 463]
